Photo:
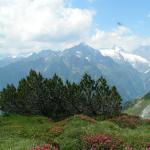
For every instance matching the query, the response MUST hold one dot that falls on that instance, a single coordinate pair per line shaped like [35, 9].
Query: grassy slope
[138, 107]
[22, 132]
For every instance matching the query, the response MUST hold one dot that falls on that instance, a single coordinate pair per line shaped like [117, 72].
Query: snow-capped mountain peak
[120, 56]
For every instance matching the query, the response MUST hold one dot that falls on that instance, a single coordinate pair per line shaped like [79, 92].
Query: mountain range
[129, 72]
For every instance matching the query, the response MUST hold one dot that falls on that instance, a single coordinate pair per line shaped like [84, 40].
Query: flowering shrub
[128, 148]
[148, 146]
[101, 141]
[86, 118]
[58, 127]
[147, 121]
[46, 147]
[126, 121]
[56, 130]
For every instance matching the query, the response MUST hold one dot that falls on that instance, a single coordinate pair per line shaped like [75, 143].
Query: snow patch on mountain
[147, 71]
[119, 55]
[146, 112]
[78, 54]
[87, 58]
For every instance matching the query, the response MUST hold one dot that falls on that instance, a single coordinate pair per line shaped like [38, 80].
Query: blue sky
[132, 13]
[33, 25]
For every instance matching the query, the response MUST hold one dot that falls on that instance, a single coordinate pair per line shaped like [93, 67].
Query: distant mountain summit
[120, 68]
[120, 56]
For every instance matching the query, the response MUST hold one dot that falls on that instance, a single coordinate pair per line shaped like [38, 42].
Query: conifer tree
[36, 94]
[72, 95]
[8, 99]
[87, 86]
[115, 102]
[56, 99]
[102, 96]
[56, 88]
[23, 96]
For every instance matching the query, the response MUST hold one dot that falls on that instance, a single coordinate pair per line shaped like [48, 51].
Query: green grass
[23, 132]
[138, 107]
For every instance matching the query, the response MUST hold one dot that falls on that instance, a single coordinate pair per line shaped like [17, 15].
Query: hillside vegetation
[78, 116]
[140, 107]
[25, 132]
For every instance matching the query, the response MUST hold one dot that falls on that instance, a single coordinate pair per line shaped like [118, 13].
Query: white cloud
[120, 36]
[29, 25]
[38, 24]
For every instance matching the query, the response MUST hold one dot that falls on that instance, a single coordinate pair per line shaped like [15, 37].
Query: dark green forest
[36, 95]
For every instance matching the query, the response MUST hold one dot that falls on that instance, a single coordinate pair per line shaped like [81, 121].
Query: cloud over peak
[32, 25]
[37, 24]
[121, 36]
